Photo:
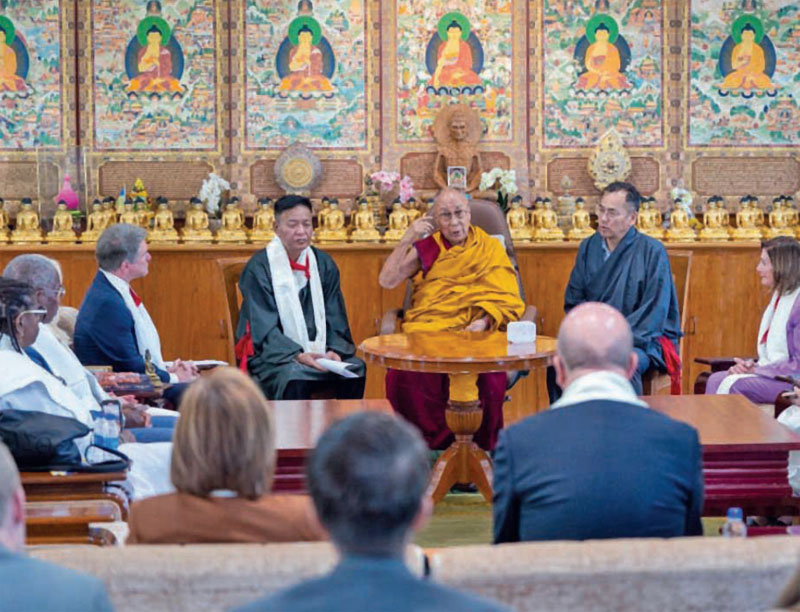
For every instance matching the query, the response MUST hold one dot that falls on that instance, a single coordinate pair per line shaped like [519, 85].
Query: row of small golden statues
[538, 224]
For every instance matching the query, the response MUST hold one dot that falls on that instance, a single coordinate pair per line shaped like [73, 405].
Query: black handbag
[41, 442]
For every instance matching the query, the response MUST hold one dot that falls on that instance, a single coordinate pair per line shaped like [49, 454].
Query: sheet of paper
[337, 367]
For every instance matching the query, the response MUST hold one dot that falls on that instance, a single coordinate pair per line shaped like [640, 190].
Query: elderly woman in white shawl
[27, 386]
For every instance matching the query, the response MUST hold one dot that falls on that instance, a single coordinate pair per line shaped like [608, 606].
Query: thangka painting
[603, 68]
[448, 52]
[31, 80]
[154, 75]
[744, 73]
[305, 74]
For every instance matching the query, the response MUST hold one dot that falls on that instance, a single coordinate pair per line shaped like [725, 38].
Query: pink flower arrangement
[386, 181]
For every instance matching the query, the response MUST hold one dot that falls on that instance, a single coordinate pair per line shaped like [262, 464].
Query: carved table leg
[464, 462]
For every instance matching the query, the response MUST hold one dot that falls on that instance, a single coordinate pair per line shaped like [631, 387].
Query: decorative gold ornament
[609, 161]
[297, 169]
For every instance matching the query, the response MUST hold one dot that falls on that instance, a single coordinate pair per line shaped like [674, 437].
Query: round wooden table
[462, 356]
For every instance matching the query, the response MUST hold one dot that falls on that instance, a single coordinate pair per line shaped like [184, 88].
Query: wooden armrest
[388, 323]
[529, 314]
[718, 363]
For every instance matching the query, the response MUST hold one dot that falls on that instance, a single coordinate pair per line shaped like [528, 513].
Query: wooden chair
[655, 382]
[75, 487]
[230, 269]
[488, 216]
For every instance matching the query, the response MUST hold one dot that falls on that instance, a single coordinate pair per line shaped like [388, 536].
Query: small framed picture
[457, 177]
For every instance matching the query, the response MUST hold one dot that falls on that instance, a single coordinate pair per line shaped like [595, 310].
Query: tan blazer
[180, 518]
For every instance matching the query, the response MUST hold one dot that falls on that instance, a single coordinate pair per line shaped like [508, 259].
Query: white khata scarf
[146, 332]
[776, 348]
[286, 288]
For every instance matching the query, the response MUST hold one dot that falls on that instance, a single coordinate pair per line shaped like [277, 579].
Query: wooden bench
[74, 486]
[70, 522]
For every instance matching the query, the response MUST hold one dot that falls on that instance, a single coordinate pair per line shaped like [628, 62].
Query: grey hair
[9, 480]
[119, 243]
[38, 271]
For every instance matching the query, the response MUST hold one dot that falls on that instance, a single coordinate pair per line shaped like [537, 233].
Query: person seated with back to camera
[599, 463]
[27, 386]
[223, 462]
[113, 326]
[368, 477]
[44, 276]
[462, 280]
[293, 314]
[31, 584]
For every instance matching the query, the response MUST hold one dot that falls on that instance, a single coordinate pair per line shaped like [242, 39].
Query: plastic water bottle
[734, 526]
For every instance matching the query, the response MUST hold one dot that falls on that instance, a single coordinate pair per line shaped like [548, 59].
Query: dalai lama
[293, 319]
[462, 280]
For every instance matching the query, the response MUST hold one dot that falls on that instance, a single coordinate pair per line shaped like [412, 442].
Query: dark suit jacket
[105, 332]
[598, 469]
[30, 584]
[368, 583]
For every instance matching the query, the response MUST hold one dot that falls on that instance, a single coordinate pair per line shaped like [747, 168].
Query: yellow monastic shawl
[464, 283]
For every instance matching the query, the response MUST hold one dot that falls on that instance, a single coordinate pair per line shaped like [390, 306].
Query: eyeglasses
[448, 216]
[40, 312]
[61, 291]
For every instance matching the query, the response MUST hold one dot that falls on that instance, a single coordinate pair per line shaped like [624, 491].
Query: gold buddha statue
[324, 209]
[412, 210]
[791, 211]
[129, 215]
[196, 225]
[517, 219]
[758, 211]
[746, 218]
[398, 222]
[233, 229]
[263, 221]
[649, 219]
[144, 213]
[716, 221]
[62, 225]
[3, 222]
[364, 223]
[536, 214]
[109, 211]
[333, 229]
[679, 229]
[27, 230]
[95, 223]
[163, 224]
[778, 221]
[548, 231]
[581, 222]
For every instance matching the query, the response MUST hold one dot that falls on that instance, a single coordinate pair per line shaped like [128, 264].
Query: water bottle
[734, 526]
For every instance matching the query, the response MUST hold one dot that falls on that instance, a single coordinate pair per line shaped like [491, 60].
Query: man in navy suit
[368, 477]
[599, 463]
[30, 584]
[113, 326]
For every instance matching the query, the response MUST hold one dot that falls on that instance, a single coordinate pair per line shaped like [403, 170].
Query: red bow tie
[136, 299]
[301, 267]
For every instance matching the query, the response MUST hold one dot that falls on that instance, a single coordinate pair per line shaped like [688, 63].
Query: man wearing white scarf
[44, 276]
[293, 314]
[113, 326]
[600, 464]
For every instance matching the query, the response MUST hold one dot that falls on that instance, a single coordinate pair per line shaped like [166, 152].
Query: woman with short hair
[778, 344]
[223, 462]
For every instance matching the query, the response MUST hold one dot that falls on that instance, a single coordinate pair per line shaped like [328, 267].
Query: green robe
[273, 365]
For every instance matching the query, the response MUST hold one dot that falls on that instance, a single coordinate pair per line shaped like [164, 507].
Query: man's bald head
[450, 195]
[595, 336]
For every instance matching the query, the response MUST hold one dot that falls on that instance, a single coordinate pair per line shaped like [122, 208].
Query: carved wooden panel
[419, 166]
[738, 176]
[173, 180]
[644, 174]
[341, 178]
